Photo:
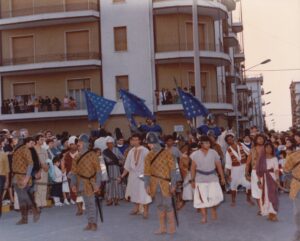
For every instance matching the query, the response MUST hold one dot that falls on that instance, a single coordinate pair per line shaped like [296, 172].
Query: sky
[272, 31]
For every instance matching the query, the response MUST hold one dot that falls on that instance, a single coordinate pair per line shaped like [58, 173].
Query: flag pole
[191, 123]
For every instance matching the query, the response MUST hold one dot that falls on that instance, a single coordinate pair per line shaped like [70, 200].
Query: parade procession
[150, 168]
[149, 120]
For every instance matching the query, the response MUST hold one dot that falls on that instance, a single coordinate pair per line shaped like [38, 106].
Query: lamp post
[258, 94]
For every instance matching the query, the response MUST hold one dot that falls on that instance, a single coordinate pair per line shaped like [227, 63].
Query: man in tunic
[86, 180]
[134, 166]
[252, 161]
[208, 192]
[292, 166]
[176, 153]
[235, 165]
[68, 162]
[160, 182]
[114, 161]
[22, 166]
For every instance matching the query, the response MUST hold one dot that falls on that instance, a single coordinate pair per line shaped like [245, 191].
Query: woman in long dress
[268, 173]
[113, 160]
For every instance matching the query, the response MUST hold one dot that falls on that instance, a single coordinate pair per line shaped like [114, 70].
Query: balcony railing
[51, 58]
[51, 8]
[188, 46]
[175, 99]
[21, 108]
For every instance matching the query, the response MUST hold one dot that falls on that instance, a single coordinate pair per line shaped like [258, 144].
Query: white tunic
[134, 164]
[237, 172]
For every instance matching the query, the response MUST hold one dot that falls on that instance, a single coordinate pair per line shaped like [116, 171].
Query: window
[121, 83]
[120, 36]
[118, 1]
[202, 33]
[76, 88]
[23, 49]
[24, 93]
[75, 5]
[77, 45]
[21, 7]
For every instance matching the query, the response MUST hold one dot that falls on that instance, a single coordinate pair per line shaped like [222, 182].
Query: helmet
[152, 138]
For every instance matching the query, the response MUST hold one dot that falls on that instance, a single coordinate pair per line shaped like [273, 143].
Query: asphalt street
[240, 223]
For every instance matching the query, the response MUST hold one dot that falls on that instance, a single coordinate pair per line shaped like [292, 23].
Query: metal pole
[197, 68]
[236, 104]
[259, 106]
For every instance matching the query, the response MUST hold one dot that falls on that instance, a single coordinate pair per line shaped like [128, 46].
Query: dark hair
[205, 139]
[272, 146]
[297, 134]
[136, 135]
[283, 153]
[258, 136]
[28, 139]
[48, 141]
[169, 137]
[56, 159]
[227, 136]
[37, 137]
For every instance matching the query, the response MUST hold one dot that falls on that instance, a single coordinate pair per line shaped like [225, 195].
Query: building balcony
[49, 15]
[42, 63]
[230, 4]
[25, 112]
[244, 119]
[239, 57]
[211, 102]
[242, 88]
[237, 27]
[209, 54]
[214, 9]
[232, 76]
[231, 40]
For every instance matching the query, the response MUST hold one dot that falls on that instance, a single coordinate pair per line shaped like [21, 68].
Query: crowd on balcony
[40, 104]
[167, 97]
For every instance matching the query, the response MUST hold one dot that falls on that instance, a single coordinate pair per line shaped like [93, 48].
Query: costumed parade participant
[160, 182]
[235, 165]
[134, 166]
[114, 160]
[86, 180]
[208, 192]
[22, 166]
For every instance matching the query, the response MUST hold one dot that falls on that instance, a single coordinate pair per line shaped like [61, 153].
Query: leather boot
[79, 209]
[88, 227]
[233, 197]
[162, 223]
[24, 215]
[36, 214]
[94, 227]
[171, 223]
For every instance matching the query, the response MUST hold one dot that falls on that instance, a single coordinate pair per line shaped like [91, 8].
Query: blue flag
[191, 105]
[98, 108]
[134, 105]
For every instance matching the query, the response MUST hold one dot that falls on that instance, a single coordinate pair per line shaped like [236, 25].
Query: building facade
[59, 48]
[295, 103]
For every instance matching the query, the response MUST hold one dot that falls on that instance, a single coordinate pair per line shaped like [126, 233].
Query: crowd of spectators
[40, 104]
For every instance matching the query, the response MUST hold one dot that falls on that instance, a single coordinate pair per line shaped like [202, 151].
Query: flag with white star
[191, 105]
[133, 105]
[98, 107]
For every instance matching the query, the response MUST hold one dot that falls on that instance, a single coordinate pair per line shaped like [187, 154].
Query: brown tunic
[161, 167]
[290, 166]
[22, 159]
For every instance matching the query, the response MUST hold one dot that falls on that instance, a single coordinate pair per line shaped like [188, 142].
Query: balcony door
[76, 88]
